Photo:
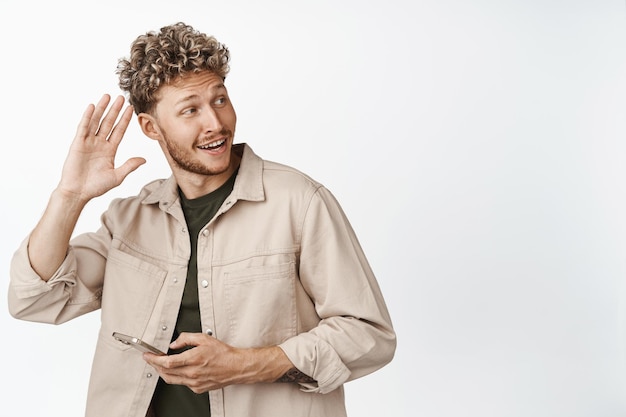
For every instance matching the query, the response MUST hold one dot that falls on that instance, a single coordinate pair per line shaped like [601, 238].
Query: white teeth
[215, 144]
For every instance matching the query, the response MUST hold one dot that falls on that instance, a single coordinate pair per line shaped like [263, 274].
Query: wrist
[67, 199]
[264, 364]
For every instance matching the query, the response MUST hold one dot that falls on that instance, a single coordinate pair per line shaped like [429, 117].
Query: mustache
[224, 133]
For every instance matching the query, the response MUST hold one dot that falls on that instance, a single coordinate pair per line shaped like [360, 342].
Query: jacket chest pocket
[131, 288]
[260, 304]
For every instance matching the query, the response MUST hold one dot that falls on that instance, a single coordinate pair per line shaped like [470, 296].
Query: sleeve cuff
[27, 283]
[317, 359]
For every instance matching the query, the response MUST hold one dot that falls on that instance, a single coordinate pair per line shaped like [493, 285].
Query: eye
[189, 111]
[220, 101]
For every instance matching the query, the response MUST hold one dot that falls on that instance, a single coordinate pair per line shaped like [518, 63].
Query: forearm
[49, 240]
[271, 365]
[212, 364]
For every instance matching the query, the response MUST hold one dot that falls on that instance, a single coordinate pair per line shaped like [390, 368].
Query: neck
[196, 185]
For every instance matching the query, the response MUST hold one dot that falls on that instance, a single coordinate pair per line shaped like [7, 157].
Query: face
[195, 122]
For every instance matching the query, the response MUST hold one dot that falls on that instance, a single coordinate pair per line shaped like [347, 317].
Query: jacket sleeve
[355, 335]
[74, 289]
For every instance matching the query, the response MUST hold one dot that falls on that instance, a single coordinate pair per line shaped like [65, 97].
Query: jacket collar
[248, 184]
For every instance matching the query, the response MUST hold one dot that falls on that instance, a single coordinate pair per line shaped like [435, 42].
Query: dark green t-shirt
[178, 400]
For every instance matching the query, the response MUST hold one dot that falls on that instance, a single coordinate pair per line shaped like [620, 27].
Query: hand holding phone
[137, 343]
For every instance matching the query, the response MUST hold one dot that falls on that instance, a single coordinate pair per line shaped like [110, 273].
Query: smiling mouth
[211, 146]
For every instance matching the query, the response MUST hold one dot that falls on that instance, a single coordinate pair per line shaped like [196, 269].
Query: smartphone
[137, 343]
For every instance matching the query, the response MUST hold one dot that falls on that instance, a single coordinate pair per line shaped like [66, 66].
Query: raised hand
[89, 170]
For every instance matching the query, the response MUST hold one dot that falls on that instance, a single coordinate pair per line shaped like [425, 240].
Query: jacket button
[209, 332]
[205, 283]
[164, 327]
[148, 375]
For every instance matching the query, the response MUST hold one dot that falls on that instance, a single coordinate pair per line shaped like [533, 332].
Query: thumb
[186, 340]
[127, 167]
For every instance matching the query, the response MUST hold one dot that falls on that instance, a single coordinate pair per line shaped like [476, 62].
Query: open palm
[89, 170]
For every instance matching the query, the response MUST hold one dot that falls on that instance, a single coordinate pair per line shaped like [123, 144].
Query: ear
[149, 126]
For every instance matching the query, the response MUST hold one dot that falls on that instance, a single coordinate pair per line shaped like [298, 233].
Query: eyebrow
[191, 97]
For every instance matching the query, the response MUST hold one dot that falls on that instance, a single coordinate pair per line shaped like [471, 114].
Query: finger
[83, 126]
[167, 363]
[149, 357]
[120, 128]
[109, 120]
[175, 378]
[157, 361]
[188, 339]
[94, 122]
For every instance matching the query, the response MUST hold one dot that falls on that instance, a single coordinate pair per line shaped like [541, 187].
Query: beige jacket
[278, 265]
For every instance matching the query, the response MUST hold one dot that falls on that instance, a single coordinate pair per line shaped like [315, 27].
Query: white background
[478, 147]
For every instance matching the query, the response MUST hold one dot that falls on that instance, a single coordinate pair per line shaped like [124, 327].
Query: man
[245, 271]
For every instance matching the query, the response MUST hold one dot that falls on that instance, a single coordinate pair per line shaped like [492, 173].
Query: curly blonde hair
[157, 59]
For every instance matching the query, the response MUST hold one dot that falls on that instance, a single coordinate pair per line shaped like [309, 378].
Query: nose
[211, 121]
